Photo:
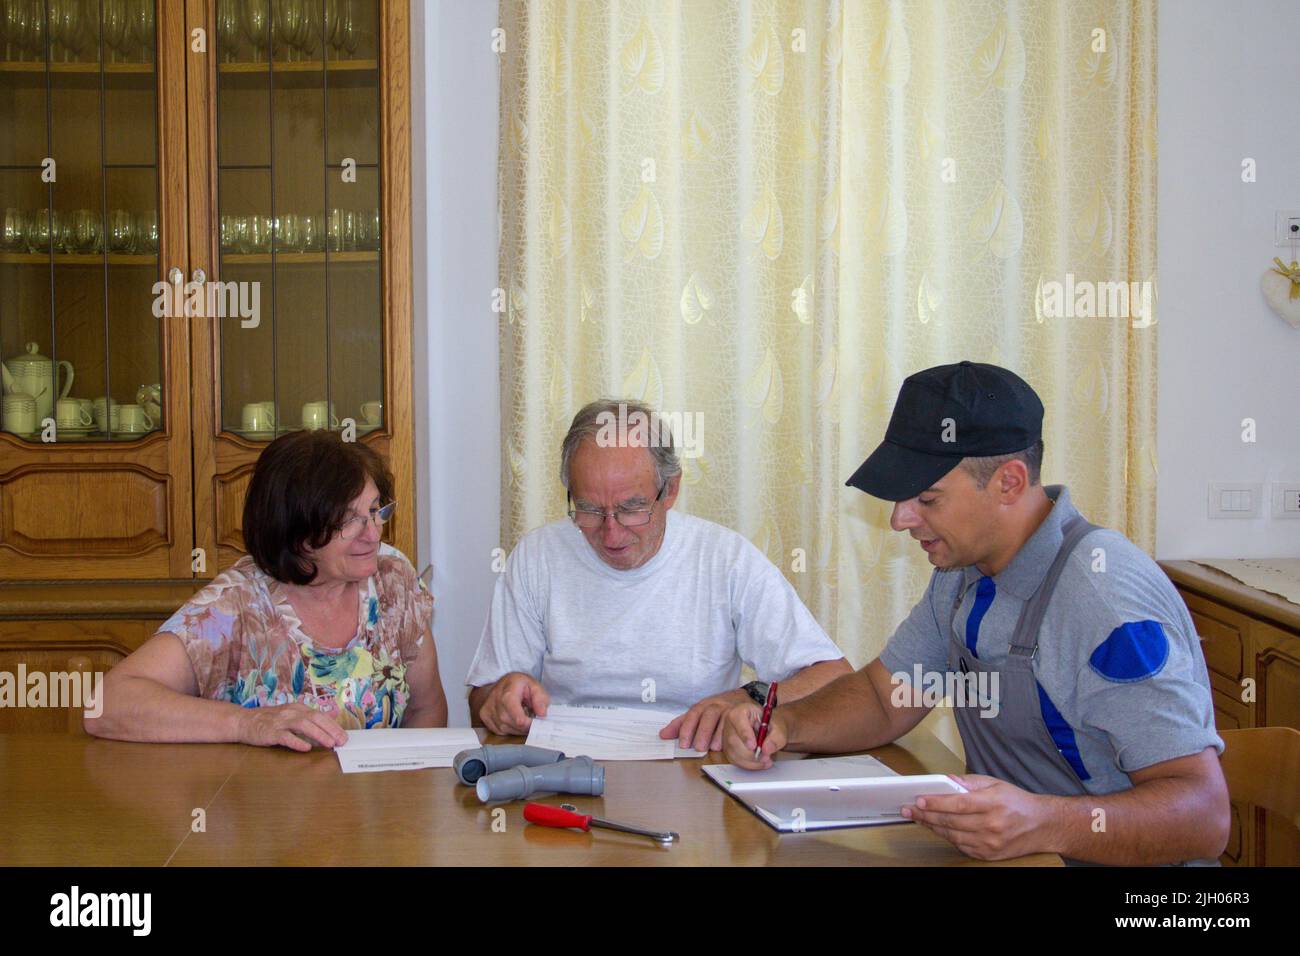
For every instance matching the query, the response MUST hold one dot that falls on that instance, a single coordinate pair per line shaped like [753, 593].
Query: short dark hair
[982, 469]
[302, 486]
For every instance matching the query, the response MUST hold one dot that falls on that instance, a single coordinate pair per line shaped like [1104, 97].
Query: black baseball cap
[944, 414]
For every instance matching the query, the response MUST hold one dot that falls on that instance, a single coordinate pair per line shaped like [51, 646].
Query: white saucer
[75, 429]
[267, 435]
[123, 433]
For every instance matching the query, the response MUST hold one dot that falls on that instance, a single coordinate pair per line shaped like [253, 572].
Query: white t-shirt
[685, 620]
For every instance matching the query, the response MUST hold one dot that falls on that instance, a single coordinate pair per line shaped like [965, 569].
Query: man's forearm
[477, 696]
[1166, 820]
[842, 717]
[811, 679]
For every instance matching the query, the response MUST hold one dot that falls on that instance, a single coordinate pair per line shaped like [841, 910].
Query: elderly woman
[320, 629]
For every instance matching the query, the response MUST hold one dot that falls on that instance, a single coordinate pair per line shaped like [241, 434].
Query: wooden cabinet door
[92, 187]
[300, 140]
[1277, 666]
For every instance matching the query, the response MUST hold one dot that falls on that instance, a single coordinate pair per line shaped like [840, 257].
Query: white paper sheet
[606, 733]
[395, 748]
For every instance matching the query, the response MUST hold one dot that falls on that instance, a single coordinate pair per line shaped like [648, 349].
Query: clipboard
[827, 793]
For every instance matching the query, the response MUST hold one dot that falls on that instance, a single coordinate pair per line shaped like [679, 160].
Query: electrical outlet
[1235, 499]
[1288, 227]
[1286, 499]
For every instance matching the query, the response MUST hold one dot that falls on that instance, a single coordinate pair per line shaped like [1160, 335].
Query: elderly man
[628, 602]
[1094, 734]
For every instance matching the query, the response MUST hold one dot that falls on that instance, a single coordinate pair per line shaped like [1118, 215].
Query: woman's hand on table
[295, 726]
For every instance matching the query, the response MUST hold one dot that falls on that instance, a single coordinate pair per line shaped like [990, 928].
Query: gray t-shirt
[670, 632]
[1122, 681]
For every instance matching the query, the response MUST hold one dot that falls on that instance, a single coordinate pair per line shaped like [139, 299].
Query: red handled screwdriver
[566, 816]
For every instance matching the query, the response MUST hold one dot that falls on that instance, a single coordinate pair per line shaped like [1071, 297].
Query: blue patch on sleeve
[1134, 651]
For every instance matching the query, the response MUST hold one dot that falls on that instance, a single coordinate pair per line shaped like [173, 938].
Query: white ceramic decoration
[1281, 288]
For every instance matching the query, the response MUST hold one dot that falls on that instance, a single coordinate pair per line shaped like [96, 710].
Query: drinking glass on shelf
[244, 234]
[142, 28]
[84, 34]
[228, 28]
[30, 27]
[36, 32]
[258, 233]
[343, 230]
[14, 228]
[115, 28]
[38, 231]
[311, 25]
[15, 27]
[247, 231]
[88, 231]
[373, 228]
[63, 233]
[62, 23]
[146, 231]
[256, 16]
[289, 15]
[288, 235]
[309, 234]
[334, 17]
[365, 231]
[121, 231]
[350, 34]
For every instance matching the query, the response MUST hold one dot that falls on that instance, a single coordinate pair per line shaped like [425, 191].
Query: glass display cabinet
[205, 244]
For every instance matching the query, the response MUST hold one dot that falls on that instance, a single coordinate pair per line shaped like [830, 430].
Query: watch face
[757, 690]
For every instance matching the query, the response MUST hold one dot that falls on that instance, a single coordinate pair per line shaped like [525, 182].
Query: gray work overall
[1015, 745]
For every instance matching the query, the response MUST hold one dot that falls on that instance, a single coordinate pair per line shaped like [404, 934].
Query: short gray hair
[982, 469]
[595, 416]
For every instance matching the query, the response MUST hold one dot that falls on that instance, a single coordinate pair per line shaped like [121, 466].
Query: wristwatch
[757, 690]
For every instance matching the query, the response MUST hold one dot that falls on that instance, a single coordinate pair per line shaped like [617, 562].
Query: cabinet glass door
[298, 216]
[79, 334]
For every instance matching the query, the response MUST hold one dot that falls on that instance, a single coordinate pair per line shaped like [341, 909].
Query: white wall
[1227, 87]
[454, 84]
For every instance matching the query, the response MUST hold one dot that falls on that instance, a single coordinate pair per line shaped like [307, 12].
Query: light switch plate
[1285, 496]
[1235, 499]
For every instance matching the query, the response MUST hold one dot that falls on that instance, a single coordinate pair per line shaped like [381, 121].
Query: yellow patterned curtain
[770, 213]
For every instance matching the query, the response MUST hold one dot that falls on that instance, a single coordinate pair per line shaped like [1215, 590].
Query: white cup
[108, 414]
[319, 415]
[19, 414]
[70, 413]
[257, 417]
[373, 413]
[134, 418]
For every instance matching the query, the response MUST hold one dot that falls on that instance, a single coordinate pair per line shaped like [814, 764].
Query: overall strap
[1024, 642]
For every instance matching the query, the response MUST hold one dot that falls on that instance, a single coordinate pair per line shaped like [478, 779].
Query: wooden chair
[47, 719]
[1262, 767]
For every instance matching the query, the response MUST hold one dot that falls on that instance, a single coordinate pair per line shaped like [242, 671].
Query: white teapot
[36, 375]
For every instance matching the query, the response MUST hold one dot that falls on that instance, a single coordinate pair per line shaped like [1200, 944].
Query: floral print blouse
[247, 645]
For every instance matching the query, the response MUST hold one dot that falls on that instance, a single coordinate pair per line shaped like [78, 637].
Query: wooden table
[72, 800]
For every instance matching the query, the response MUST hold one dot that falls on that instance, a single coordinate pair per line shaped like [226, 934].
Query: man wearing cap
[1099, 741]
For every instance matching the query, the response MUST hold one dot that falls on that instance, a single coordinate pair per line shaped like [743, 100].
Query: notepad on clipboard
[827, 792]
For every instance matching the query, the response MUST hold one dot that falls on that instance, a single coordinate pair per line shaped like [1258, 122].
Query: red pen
[767, 716]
